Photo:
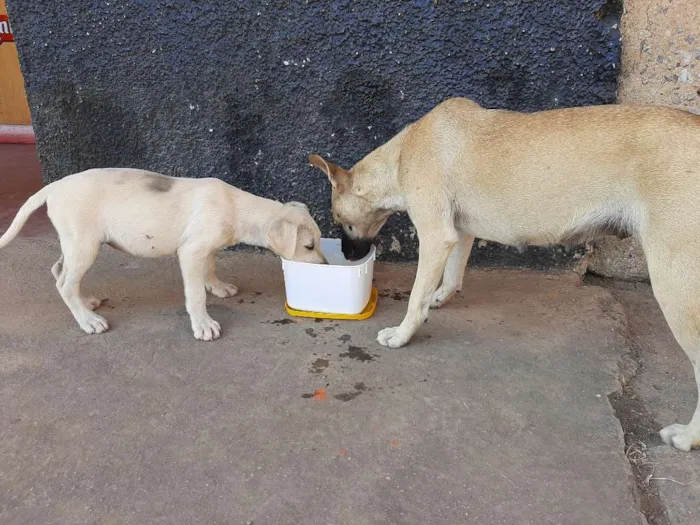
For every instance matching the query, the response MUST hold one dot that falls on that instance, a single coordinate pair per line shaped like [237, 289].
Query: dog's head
[353, 209]
[295, 236]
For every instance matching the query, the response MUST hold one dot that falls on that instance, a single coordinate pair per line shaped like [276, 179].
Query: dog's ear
[337, 175]
[282, 238]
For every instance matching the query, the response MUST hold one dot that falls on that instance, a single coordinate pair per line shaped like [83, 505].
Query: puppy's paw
[222, 289]
[206, 329]
[92, 303]
[94, 324]
[392, 337]
[441, 296]
[682, 437]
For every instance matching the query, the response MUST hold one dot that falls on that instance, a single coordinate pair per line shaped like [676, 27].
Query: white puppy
[151, 215]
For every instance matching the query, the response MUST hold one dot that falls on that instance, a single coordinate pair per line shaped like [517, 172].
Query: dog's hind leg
[212, 282]
[675, 279]
[76, 260]
[687, 332]
[453, 276]
[57, 271]
[57, 268]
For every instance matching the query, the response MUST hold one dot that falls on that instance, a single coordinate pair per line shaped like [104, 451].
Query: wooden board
[13, 98]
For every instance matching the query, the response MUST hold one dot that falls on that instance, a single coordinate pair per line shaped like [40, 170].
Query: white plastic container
[339, 287]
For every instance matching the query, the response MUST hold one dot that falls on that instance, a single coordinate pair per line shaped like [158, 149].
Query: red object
[16, 134]
[12, 134]
[5, 30]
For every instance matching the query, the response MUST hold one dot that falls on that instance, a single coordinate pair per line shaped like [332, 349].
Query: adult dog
[151, 215]
[559, 176]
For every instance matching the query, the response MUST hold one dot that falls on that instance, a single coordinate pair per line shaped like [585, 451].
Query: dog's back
[563, 175]
[136, 211]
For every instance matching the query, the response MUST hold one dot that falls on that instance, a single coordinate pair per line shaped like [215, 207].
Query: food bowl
[339, 288]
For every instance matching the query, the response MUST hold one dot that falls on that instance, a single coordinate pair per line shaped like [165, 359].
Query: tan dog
[558, 176]
[151, 215]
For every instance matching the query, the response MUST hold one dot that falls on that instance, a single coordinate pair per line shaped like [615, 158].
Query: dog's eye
[349, 228]
[309, 246]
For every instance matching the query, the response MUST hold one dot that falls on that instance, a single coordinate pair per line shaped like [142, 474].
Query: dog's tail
[34, 202]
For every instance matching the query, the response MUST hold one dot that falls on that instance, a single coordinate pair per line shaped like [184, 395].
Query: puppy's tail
[34, 202]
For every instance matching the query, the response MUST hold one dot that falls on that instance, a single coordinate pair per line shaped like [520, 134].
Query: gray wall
[245, 90]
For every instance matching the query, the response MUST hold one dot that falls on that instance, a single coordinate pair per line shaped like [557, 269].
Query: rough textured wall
[660, 65]
[245, 90]
[661, 57]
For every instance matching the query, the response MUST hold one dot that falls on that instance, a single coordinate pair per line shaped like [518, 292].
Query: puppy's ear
[282, 238]
[338, 176]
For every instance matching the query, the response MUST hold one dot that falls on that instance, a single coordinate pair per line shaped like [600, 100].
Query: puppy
[151, 215]
[560, 176]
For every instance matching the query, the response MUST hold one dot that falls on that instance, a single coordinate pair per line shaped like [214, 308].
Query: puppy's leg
[434, 248]
[92, 303]
[193, 264]
[57, 271]
[57, 268]
[78, 256]
[454, 271]
[212, 282]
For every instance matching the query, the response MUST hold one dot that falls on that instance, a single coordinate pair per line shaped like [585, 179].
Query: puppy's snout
[354, 249]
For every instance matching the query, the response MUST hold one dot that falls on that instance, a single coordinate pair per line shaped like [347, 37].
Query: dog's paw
[206, 329]
[441, 296]
[222, 289]
[392, 337]
[682, 437]
[94, 324]
[92, 303]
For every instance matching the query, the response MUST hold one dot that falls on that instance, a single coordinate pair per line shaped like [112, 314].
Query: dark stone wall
[244, 91]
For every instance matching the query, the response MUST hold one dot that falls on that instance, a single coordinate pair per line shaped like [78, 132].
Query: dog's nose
[354, 249]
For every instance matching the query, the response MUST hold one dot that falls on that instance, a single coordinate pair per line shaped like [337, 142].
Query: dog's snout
[354, 249]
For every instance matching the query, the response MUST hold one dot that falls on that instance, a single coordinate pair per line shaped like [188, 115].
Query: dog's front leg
[193, 264]
[432, 257]
[213, 284]
[454, 271]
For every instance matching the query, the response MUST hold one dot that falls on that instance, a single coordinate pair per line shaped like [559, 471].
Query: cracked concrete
[660, 391]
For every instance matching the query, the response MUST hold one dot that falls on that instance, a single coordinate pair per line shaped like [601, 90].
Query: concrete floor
[506, 408]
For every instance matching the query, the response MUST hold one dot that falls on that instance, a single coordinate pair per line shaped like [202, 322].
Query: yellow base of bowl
[364, 314]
